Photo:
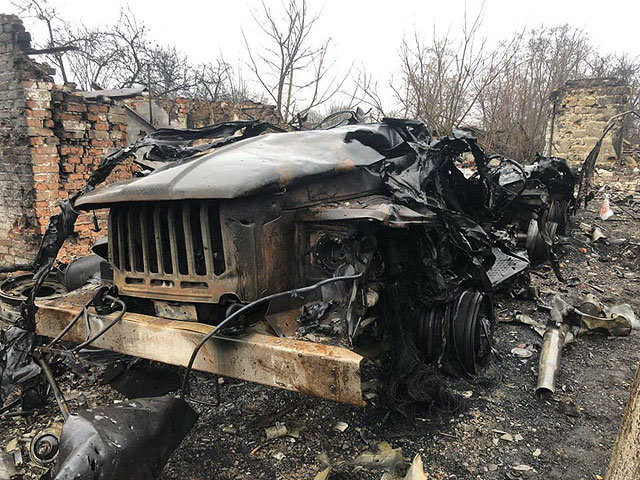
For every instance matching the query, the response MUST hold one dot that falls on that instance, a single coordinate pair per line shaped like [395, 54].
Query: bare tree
[129, 38]
[92, 64]
[170, 74]
[625, 68]
[293, 72]
[45, 13]
[515, 107]
[365, 93]
[441, 80]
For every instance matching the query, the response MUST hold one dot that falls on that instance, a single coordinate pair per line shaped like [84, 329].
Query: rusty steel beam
[311, 368]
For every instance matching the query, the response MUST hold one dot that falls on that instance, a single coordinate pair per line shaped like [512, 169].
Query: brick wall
[582, 110]
[23, 90]
[51, 139]
[189, 113]
[86, 131]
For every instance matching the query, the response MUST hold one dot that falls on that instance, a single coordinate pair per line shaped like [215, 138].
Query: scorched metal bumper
[311, 368]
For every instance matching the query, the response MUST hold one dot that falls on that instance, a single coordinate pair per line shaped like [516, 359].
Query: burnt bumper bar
[314, 369]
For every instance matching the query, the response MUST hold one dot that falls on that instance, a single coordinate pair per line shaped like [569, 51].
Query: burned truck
[286, 258]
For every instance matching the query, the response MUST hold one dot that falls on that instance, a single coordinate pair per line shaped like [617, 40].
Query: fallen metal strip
[311, 368]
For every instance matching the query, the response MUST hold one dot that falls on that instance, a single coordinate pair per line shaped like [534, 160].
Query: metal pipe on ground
[550, 355]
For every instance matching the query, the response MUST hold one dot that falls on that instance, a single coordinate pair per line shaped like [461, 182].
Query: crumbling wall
[51, 139]
[582, 110]
[24, 93]
[189, 113]
[87, 130]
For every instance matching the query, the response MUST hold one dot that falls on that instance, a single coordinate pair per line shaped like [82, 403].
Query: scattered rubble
[453, 316]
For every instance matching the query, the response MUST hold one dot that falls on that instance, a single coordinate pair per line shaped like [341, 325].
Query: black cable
[70, 325]
[57, 393]
[294, 293]
[108, 326]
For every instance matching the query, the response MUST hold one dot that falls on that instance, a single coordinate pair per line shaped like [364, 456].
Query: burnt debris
[356, 235]
[129, 440]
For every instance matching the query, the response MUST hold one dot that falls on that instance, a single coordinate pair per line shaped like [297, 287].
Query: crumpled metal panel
[131, 440]
[375, 207]
[255, 165]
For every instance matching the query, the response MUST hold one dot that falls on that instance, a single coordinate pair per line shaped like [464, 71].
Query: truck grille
[172, 244]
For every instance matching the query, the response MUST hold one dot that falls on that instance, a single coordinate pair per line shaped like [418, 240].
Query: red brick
[45, 169]
[37, 113]
[75, 107]
[50, 149]
[35, 104]
[71, 150]
[67, 116]
[39, 132]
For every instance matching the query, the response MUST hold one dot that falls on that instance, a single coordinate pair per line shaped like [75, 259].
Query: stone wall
[582, 110]
[51, 138]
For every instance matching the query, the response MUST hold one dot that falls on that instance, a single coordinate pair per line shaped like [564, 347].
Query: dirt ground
[500, 425]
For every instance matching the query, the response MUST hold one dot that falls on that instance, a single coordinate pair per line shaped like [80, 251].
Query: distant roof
[116, 93]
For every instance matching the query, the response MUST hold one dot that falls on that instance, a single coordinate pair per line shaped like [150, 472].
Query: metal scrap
[567, 322]
[130, 440]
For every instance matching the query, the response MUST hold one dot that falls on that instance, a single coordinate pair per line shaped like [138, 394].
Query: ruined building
[52, 137]
[581, 110]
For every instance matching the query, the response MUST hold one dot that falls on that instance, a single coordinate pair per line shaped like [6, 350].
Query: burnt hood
[255, 165]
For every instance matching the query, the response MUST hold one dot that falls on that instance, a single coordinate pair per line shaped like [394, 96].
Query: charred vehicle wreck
[286, 258]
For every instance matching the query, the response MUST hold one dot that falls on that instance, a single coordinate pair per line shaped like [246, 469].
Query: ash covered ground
[499, 425]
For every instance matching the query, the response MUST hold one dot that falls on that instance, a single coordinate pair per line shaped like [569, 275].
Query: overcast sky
[362, 31]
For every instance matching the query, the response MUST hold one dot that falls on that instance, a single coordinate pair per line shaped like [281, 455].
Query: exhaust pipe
[549, 363]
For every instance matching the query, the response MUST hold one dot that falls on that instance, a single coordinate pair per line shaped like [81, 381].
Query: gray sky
[363, 31]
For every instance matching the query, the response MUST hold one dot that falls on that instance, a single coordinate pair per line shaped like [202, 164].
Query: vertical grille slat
[114, 257]
[172, 243]
[130, 251]
[215, 234]
[120, 218]
[144, 239]
[188, 241]
[206, 237]
[157, 237]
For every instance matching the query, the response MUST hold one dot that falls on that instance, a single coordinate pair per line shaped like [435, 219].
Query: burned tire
[14, 290]
[457, 336]
[537, 248]
[432, 332]
[471, 331]
[559, 214]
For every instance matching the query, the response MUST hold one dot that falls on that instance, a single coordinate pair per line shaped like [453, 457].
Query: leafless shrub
[442, 79]
[294, 73]
[514, 108]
